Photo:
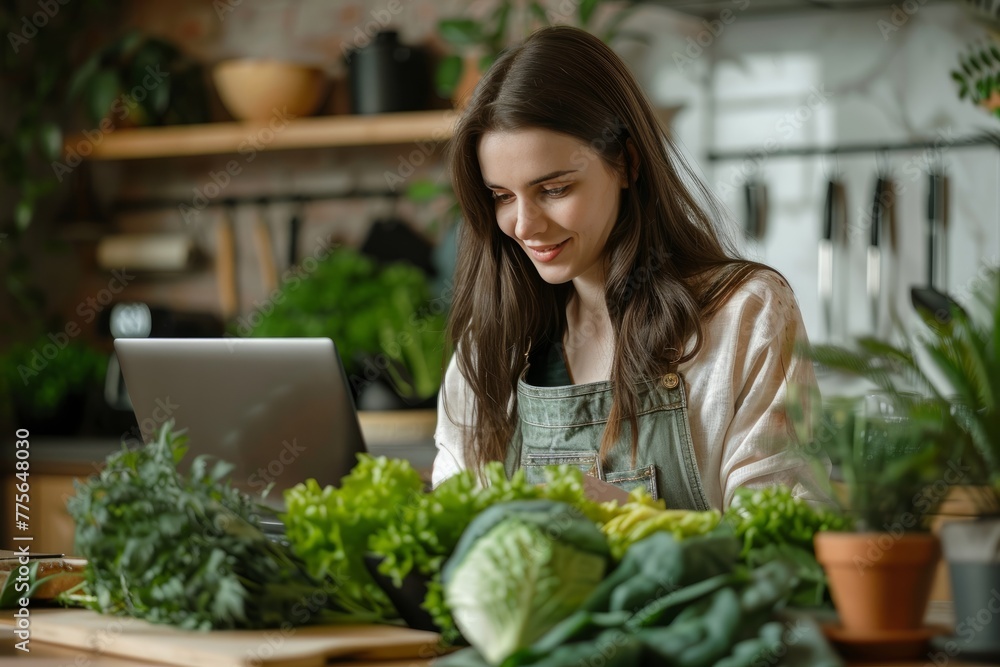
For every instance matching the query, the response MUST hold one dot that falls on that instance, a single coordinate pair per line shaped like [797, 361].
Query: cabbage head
[519, 569]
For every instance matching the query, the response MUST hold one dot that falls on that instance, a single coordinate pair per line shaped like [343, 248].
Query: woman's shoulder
[749, 288]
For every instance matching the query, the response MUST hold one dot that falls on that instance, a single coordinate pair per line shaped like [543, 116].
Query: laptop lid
[279, 409]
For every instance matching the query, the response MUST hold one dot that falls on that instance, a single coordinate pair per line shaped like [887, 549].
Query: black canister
[387, 76]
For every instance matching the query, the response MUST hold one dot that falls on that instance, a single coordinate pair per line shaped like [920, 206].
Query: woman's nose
[529, 219]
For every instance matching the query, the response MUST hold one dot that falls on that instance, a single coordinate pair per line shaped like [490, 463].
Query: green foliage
[185, 548]
[37, 62]
[380, 509]
[330, 528]
[369, 311]
[680, 603]
[491, 35]
[943, 384]
[773, 515]
[978, 72]
[142, 80]
[39, 382]
[773, 525]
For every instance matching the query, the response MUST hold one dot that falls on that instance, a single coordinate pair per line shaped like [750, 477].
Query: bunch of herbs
[185, 549]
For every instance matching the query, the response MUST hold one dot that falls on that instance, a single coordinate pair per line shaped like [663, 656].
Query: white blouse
[736, 385]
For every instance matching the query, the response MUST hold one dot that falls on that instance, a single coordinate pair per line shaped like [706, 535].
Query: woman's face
[554, 196]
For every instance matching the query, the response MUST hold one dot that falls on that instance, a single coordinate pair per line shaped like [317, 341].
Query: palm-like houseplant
[945, 381]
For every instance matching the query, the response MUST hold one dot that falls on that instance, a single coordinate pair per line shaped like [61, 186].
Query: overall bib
[562, 423]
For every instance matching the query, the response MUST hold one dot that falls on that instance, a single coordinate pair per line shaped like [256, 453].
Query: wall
[750, 83]
[834, 78]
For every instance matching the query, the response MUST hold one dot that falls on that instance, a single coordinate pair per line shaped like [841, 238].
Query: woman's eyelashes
[506, 197]
[502, 197]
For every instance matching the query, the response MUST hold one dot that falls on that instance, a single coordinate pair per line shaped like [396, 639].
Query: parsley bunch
[185, 549]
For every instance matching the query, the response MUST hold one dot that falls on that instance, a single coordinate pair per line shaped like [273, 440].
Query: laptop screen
[279, 409]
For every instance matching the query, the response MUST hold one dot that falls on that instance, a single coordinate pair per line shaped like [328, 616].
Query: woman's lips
[547, 253]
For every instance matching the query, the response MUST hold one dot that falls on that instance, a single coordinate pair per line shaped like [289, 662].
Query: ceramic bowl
[260, 89]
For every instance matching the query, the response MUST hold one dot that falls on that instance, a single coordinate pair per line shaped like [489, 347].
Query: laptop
[279, 409]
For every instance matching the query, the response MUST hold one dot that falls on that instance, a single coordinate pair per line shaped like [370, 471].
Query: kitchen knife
[294, 226]
[874, 275]
[937, 250]
[755, 193]
[826, 244]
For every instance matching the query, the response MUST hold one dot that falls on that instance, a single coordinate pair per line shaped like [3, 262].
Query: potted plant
[138, 80]
[879, 573]
[479, 42]
[388, 330]
[954, 364]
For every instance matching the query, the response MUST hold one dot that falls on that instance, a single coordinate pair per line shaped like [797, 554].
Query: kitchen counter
[48, 655]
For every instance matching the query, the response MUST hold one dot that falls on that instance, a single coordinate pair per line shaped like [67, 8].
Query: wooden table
[47, 655]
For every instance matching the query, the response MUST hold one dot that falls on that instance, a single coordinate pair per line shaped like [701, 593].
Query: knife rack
[940, 143]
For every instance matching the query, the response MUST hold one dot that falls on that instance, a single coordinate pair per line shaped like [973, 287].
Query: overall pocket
[534, 463]
[629, 479]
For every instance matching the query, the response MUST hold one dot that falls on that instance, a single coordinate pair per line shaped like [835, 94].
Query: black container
[387, 76]
[407, 599]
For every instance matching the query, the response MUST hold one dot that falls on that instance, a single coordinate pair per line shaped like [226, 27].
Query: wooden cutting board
[295, 647]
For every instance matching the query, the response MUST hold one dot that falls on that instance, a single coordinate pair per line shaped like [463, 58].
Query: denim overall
[563, 423]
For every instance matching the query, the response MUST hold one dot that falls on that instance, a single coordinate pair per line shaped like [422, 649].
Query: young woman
[598, 319]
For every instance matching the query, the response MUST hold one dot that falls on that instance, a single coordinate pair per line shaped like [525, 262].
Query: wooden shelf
[223, 138]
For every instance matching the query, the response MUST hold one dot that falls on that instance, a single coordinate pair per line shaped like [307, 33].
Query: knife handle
[935, 197]
[878, 211]
[828, 210]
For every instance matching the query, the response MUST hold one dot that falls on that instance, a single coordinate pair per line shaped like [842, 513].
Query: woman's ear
[632, 163]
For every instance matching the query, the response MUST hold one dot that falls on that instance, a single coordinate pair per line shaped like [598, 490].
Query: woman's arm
[738, 387]
[450, 433]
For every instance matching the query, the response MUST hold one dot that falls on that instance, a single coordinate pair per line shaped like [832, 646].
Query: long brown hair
[666, 267]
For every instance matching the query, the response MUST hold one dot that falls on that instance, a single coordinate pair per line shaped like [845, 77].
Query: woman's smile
[546, 253]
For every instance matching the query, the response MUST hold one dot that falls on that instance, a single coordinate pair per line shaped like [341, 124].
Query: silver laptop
[279, 409]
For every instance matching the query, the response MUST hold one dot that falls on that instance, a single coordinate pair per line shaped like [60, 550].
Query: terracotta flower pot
[879, 581]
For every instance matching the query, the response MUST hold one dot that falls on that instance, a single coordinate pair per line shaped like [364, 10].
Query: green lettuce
[519, 570]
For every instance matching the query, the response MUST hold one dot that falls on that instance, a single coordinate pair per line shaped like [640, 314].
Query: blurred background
[272, 168]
